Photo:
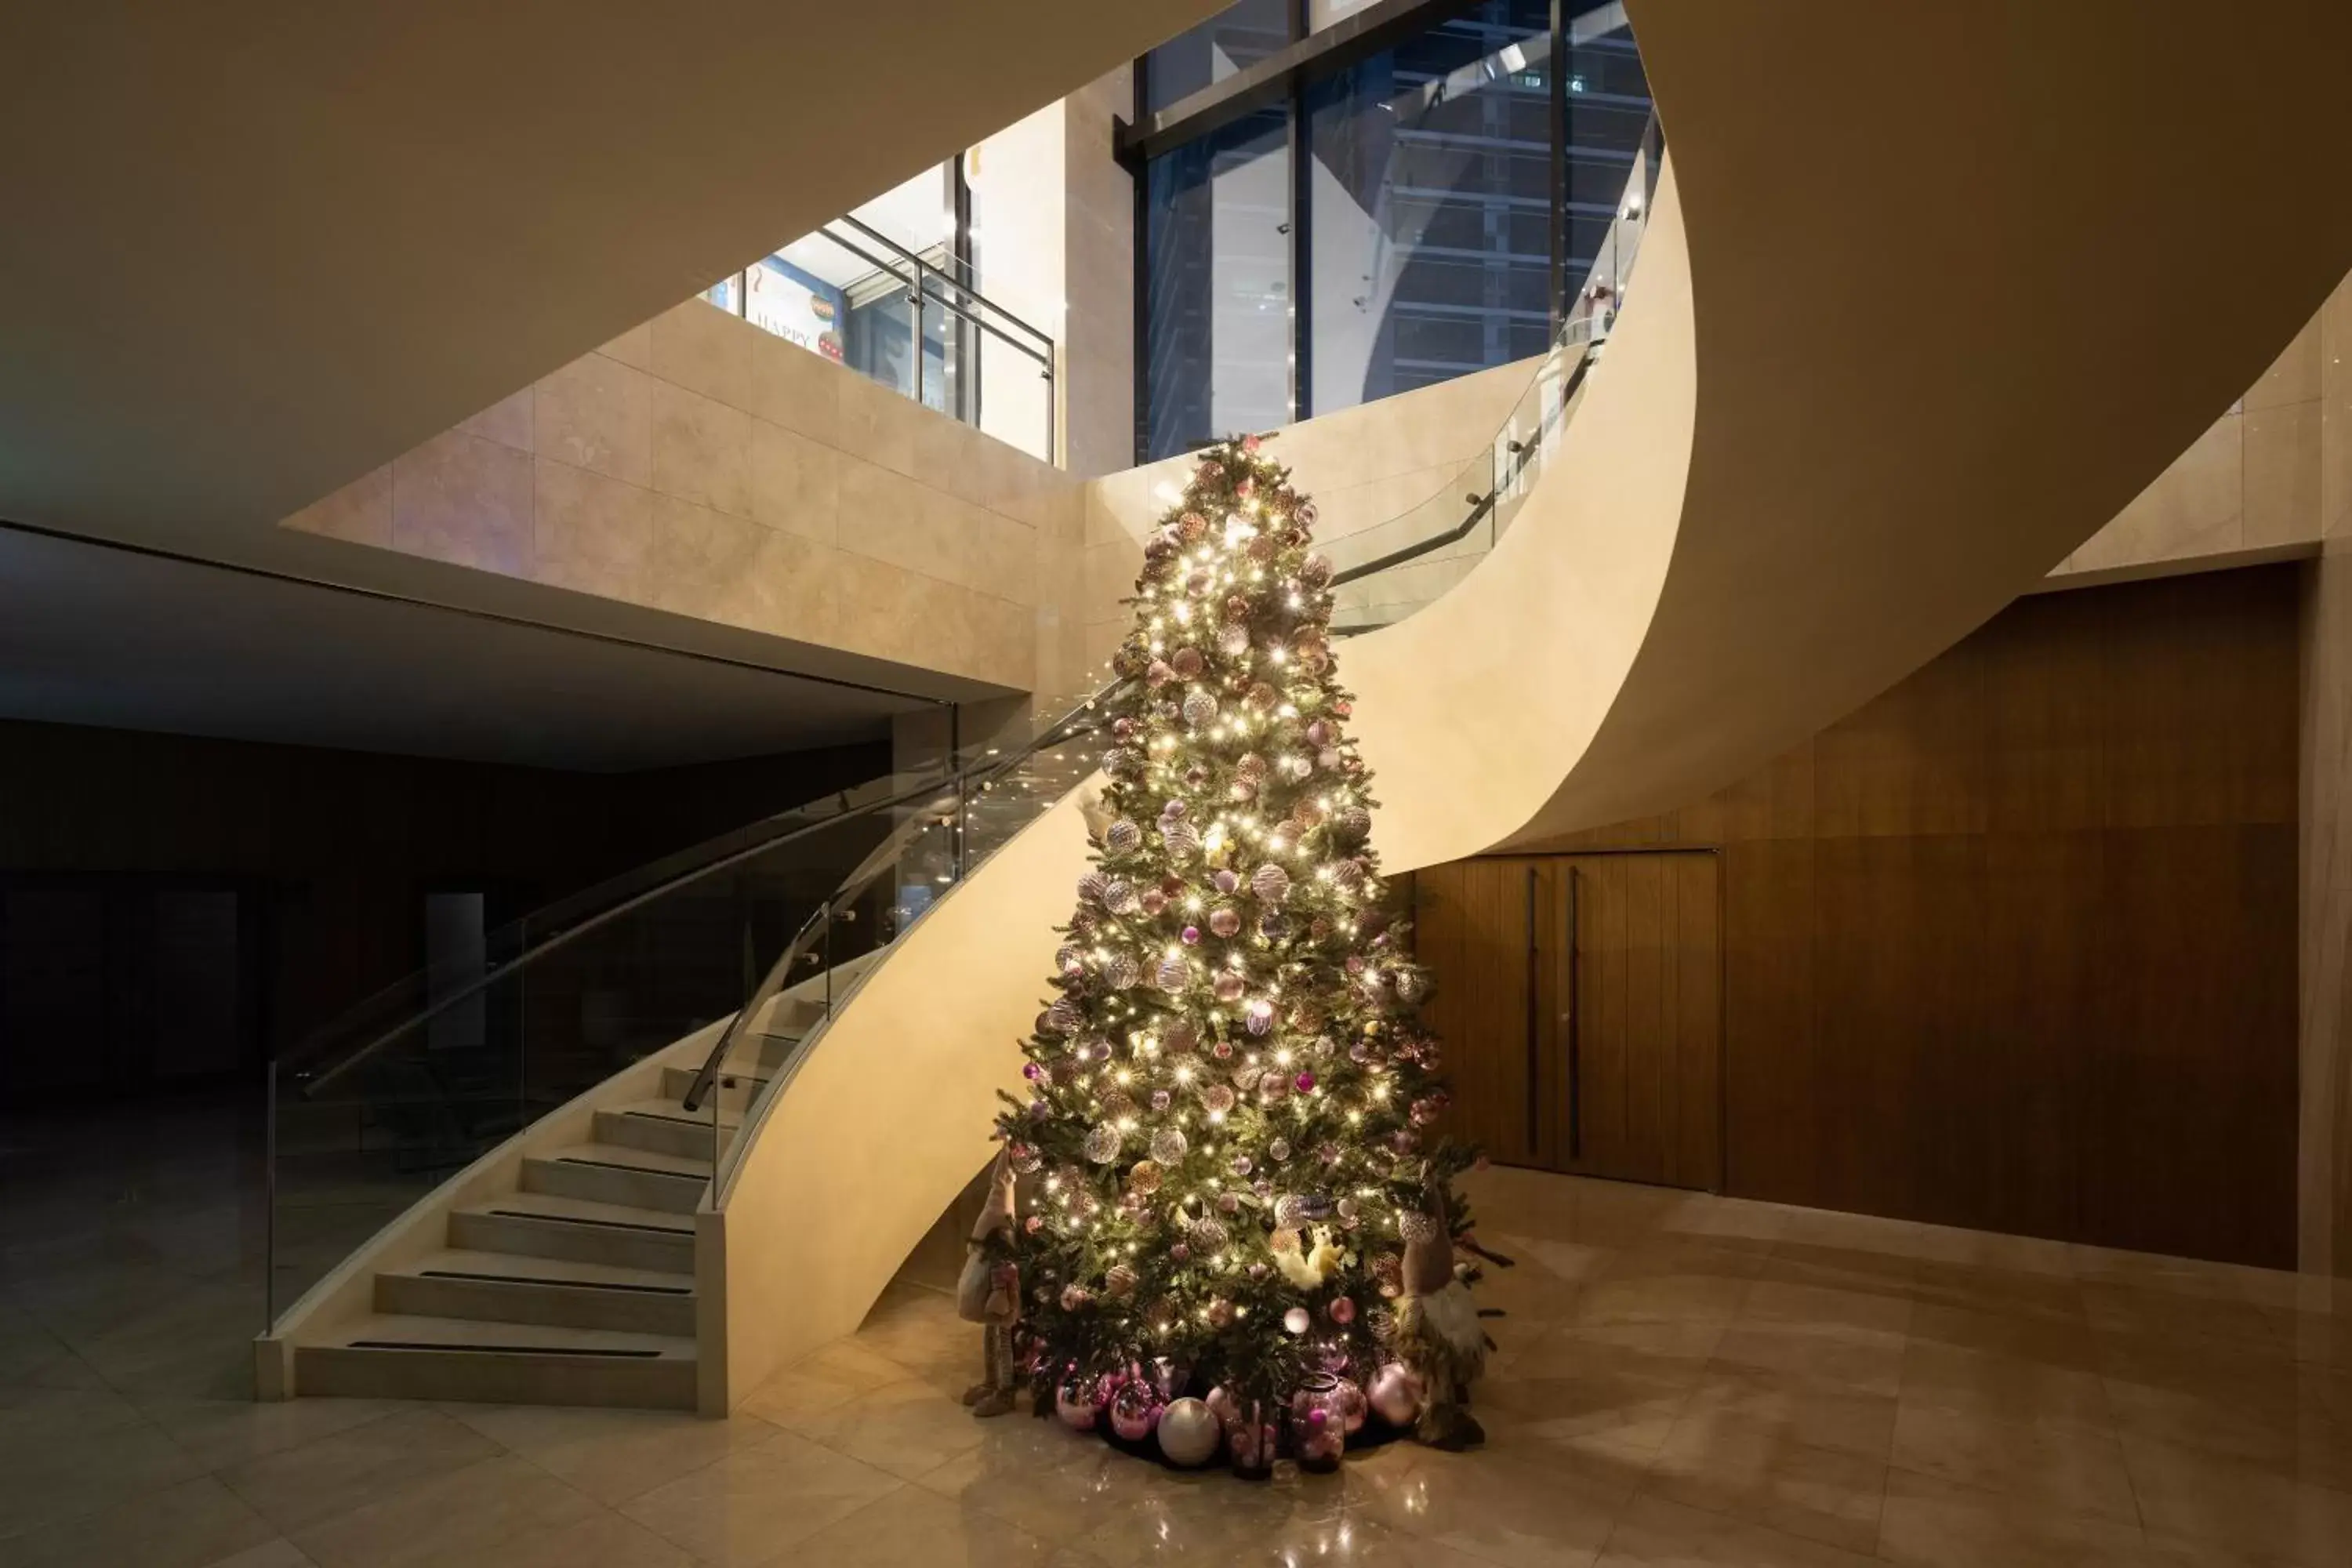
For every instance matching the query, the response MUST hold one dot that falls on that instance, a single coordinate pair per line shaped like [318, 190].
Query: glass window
[1429, 193]
[1454, 194]
[1217, 286]
[1231, 41]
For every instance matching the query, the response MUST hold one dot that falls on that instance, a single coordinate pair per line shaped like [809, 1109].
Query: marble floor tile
[1774, 1300]
[467, 1514]
[223, 1432]
[2054, 1340]
[2009, 1292]
[612, 1455]
[279, 1553]
[1863, 1360]
[1047, 1480]
[2195, 1318]
[1723, 1463]
[1672, 1298]
[194, 1524]
[75, 1471]
[2069, 1469]
[913, 1526]
[2296, 1432]
[905, 1429]
[1814, 1414]
[1798, 1262]
[822, 1382]
[2002, 1387]
[1940, 1524]
[757, 1503]
[1520, 1516]
[372, 1463]
[1657, 1533]
[599, 1540]
[2244, 1508]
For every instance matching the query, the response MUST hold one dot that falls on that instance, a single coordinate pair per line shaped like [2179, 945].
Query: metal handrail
[924, 269]
[964, 782]
[1481, 507]
[921, 266]
[311, 1082]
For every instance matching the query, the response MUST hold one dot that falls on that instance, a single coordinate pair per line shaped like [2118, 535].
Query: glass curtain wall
[1394, 218]
[1216, 276]
[1231, 41]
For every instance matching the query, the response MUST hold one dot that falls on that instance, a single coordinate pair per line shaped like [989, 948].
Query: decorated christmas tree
[1220, 1213]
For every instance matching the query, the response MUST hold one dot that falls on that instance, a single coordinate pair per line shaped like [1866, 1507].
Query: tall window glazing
[1231, 41]
[1217, 301]
[1429, 189]
[1441, 199]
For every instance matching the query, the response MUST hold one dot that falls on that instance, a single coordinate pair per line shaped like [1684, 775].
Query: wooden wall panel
[1471, 920]
[1770, 1057]
[2189, 1132]
[1694, 1139]
[2013, 945]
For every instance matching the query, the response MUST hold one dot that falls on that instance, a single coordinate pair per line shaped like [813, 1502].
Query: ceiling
[94, 633]
[254, 250]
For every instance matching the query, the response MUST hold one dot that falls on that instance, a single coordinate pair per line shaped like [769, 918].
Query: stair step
[776, 1050]
[661, 1125]
[406, 1356]
[735, 1089]
[547, 1225]
[619, 1174]
[512, 1288]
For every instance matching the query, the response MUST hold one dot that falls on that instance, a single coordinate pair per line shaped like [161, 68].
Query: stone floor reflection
[1683, 1379]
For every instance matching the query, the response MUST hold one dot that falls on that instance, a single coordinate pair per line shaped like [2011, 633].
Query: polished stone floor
[1683, 1379]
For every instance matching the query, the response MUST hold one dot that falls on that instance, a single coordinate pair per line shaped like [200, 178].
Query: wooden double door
[1579, 1002]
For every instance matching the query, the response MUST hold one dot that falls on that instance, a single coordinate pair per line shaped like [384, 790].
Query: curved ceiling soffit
[254, 250]
[1967, 278]
[1928, 362]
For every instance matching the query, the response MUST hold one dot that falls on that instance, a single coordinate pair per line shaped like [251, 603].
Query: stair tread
[651, 1161]
[552, 1206]
[671, 1110]
[465, 1332]
[524, 1268]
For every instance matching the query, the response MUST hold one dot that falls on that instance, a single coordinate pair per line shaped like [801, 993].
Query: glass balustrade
[1387, 571]
[908, 319]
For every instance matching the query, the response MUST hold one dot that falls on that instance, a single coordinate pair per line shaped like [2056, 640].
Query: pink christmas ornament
[1133, 1411]
[1395, 1394]
[1074, 1403]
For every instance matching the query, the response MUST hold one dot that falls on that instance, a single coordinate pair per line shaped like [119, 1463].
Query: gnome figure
[1438, 1334]
[989, 1293]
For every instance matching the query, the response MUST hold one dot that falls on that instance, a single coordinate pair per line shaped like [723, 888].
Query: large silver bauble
[1188, 1433]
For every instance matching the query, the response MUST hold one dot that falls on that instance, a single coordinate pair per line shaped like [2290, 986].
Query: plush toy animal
[988, 1293]
[1438, 1334]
